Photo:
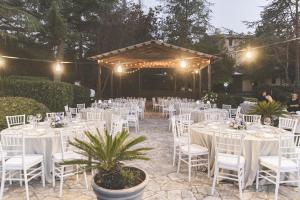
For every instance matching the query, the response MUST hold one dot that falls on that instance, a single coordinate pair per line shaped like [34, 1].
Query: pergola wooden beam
[154, 54]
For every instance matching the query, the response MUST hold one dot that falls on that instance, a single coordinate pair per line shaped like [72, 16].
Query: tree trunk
[297, 67]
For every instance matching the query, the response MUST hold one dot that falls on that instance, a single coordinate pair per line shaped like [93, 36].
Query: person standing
[294, 104]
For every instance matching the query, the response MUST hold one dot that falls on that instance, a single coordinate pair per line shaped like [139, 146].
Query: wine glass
[267, 121]
[30, 119]
[39, 117]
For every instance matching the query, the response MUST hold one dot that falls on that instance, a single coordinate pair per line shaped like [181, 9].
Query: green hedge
[53, 94]
[19, 106]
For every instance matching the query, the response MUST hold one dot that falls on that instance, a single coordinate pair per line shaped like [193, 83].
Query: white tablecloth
[246, 107]
[199, 115]
[105, 115]
[259, 141]
[42, 139]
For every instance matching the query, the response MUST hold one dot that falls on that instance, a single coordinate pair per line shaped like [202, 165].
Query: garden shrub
[19, 106]
[55, 95]
[220, 99]
[81, 95]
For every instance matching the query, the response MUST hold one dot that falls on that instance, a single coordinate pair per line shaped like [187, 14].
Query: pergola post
[99, 84]
[139, 82]
[175, 82]
[200, 82]
[112, 84]
[120, 85]
[209, 77]
[194, 85]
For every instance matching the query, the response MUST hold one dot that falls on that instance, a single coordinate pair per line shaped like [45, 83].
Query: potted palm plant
[269, 111]
[106, 153]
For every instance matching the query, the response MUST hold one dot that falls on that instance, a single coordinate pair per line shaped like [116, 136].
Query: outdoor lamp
[58, 67]
[183, 64]
[2, 62]
[119, 68]
[249, 54]
[226, 84]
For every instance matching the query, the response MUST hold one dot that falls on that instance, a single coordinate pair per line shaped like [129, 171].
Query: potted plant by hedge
[105, 153]
[269, 111]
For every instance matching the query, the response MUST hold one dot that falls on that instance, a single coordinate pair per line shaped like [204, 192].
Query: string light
[58, 67]
[183, 64]
[2, 62]
[119, 68]
[249, 54]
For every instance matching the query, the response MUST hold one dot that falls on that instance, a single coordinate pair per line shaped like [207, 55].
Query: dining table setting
[44, 137]
[259, 140]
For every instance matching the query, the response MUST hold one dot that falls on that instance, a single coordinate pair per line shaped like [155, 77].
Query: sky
[229, 13]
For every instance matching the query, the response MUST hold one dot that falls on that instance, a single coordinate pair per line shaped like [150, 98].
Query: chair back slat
[229, 143]
[288, 124]
[252, 118]
[289, 148]
[15, 120]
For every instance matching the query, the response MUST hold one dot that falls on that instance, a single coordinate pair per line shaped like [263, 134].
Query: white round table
[42, 139]
[105, 115]
[259, 141]
[199, 115]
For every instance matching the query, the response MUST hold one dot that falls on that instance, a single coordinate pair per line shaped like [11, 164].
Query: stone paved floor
[164, 182]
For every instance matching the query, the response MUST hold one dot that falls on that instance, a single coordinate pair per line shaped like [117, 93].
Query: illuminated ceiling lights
[183, 64]
[119, 68]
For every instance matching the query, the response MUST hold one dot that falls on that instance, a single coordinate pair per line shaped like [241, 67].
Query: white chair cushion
[194, 149]
[29, 161]
[70, 155]
[272, 163]
[230, 161]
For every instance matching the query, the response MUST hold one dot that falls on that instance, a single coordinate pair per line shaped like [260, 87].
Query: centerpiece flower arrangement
[57, 122]
[210, 97]
[269, 111]
[238, 124]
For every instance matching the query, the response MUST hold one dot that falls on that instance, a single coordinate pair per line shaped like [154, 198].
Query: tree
[280, 21]
[186, 21]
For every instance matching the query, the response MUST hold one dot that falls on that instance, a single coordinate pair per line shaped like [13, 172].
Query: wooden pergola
[154, 55]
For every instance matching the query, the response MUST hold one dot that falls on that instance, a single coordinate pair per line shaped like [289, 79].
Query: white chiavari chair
[228, 156]
[73, 111]
[66, 108]
[116, 124]
[214, 116]
[226, 107]
[80, 107]
[67, 153]
[252, 118]
[133, 118]
[288, 124]
[235, 112]
[283, 168]
[155, 105]
[93, 116]
[124, 112]
[15, 120]
[51, 115]
[17, 161]
[191, 154]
